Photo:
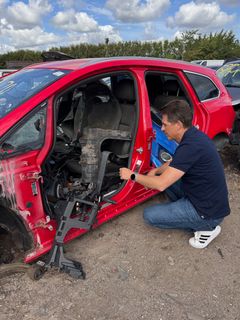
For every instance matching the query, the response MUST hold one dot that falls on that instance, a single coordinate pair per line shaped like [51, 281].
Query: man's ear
[180, 124]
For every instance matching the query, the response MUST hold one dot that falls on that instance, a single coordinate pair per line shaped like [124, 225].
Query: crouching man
[194, 180]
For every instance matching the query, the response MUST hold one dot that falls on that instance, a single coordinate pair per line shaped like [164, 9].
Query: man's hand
[159, 170]
[125, 173]
[152, 172]
[162, 182]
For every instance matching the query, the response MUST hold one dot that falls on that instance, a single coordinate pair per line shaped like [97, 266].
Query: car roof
[96, 64]
[232, 62]
[77, 64]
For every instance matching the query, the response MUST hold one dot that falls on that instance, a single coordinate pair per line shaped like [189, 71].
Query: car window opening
[95, 128]
[162, 89]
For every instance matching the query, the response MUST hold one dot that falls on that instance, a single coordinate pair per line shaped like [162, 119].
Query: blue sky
[41, 24]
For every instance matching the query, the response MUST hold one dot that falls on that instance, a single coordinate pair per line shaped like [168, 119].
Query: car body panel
[235, 94]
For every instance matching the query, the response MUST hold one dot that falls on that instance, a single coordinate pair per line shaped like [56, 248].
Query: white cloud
[99, 36]
[70, 3]
[79, 5]
[3, 23]
[75, 21]
[135, 11]
[22, 15]
[100, 11]
[229, 2]
[109, 32]
[4, 48]
[149, 30]
[2, 3]
[178, 34]
[225, 2]
[29, 38]
[19, 25]
[199, 15]
[80, 27]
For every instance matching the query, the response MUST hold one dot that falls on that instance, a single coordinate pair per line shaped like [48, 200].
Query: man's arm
[167, 178]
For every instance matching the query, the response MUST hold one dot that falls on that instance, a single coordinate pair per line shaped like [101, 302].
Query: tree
[192, 45]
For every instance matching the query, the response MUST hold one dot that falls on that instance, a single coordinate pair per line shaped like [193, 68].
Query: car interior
[162, 89]
[95, 128]
[96, 123]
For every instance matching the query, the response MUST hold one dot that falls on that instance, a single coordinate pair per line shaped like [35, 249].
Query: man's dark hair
[178, 110]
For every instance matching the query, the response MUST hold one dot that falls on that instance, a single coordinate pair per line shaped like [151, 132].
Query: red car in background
[67, 127]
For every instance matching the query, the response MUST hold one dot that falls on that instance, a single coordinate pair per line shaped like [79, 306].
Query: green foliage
[191, 46]
[219, 45]
[20, 55]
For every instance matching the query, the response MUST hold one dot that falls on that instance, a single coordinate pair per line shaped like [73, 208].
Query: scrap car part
[56, 256]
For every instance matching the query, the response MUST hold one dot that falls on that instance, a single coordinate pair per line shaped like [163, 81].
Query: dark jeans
[179, 213]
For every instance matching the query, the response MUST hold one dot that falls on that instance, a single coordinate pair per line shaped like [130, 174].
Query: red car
[66, 128]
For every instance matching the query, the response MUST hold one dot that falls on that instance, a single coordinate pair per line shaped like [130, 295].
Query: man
[194, 180]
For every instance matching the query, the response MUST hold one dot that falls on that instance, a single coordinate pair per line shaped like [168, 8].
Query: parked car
[213, 64]
[229, 74]
[4, 72]
[55, 55]
[67, 127]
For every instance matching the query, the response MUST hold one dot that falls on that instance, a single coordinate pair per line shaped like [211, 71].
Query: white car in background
[4, 72]
[213, 64]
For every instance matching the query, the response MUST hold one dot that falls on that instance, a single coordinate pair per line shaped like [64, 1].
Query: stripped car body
[67, 127]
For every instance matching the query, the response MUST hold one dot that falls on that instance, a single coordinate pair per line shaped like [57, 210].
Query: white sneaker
[202, 239]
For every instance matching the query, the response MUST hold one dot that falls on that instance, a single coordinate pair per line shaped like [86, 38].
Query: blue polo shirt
[204, 181]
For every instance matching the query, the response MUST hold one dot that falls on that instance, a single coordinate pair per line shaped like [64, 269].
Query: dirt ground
[136, 272]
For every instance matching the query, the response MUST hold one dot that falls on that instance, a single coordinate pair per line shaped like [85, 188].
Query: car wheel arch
[11, 224]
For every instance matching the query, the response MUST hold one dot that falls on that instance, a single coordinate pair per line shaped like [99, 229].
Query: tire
[13, 225]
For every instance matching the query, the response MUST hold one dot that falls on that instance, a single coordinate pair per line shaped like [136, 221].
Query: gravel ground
[136, 272]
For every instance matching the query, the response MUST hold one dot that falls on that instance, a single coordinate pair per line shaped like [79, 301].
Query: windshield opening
[19, 87]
